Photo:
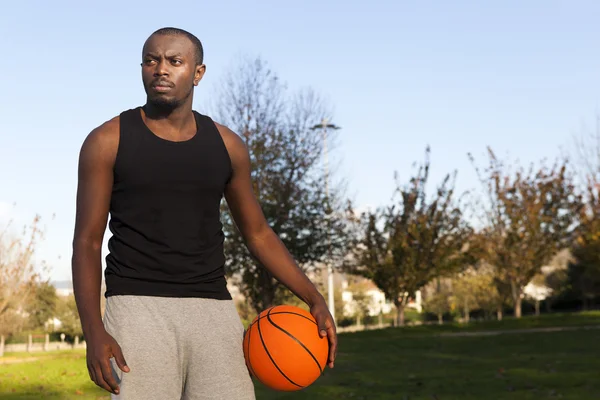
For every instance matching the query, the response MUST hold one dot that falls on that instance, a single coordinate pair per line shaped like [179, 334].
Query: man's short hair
[197, 43]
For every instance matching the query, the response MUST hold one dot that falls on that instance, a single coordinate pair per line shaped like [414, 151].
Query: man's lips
[162, 86]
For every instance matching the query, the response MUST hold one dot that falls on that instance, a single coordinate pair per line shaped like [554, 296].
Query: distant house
[346, 283]
[377, 302]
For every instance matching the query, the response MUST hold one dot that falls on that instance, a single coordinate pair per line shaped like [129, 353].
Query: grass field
[410, 363]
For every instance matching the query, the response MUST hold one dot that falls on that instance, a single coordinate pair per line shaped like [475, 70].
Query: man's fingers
[100, 380]
[120, 359]
[323, 331]
[109, 377]
[322, 323]
[332, 336]
[91, 372]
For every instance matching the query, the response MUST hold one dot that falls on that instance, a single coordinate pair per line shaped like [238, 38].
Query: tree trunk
[518, 304]
[467, 312]
[358, 320]
[381, 319]
[499, 313]
[399, 314]
[1, 345]
[266, 297]
[516, 295]
[440, 319]
[537, 308]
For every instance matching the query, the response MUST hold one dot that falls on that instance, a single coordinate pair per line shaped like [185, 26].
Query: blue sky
[521, 77]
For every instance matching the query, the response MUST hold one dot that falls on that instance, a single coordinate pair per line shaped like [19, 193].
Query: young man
[170, 330]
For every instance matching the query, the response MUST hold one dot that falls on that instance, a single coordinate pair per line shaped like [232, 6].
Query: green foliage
[42, 305]
[69, 316]
[361, 301]
[477, 289]
[438, 300]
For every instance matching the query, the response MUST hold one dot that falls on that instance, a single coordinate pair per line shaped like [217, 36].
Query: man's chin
[163, 102]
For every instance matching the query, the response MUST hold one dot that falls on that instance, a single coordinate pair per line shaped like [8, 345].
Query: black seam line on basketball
[297, 341]
[273, 361]
[249, 363]
[284, 312]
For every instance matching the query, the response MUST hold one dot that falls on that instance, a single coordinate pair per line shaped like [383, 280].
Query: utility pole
[324, 125]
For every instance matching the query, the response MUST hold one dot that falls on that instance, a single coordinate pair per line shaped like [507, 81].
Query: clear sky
[521, 77]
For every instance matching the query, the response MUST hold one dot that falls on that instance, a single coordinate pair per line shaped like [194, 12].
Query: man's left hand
[326, 328]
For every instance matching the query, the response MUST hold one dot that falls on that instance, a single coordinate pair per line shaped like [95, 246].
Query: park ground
[512, 359]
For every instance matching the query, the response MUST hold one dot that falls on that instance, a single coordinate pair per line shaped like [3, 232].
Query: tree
[288, 182]
[466, 292]
[538, 291]
[438, 300]
[69, 317]
[587, 154]
[361, 300]
[18, 275]
[410, 243]
[42, 305]
[528, 217]
[584, 271]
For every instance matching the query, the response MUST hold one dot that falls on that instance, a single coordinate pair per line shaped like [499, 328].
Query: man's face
[169, 69]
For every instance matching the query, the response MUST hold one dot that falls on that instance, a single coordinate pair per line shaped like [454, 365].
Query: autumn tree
[18, 275]
[286, 173]
[584, 271]
[407, 244]
[528, 215]
[586, 154]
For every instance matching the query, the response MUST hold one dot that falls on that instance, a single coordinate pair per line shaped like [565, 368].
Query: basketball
[283, 349]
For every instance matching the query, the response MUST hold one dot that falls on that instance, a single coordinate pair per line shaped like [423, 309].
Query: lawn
[410, 363]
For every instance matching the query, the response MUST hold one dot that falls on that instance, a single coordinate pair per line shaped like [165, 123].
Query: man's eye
[177, 62]
[148, 62]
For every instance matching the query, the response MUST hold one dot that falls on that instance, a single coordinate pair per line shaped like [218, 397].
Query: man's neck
[171, 118]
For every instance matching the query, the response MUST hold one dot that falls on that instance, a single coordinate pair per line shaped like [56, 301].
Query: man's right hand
[101, 348]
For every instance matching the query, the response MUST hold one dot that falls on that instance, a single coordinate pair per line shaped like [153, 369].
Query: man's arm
[262, 241]
[94, 188]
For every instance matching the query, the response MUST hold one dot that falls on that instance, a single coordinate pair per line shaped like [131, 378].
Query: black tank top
[167, 237]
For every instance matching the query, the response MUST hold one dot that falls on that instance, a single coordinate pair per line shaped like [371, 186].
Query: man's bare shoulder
[103, 140]
[236, 147]
[229, 137]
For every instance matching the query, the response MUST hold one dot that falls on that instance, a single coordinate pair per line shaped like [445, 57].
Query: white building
[376, 303]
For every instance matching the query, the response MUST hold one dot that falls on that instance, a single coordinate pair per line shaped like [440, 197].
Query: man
[170, 330]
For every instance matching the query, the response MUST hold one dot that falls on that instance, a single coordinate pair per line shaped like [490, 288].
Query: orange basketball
[283, 349]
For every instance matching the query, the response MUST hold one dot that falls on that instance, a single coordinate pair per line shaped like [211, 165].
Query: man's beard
[165, 104]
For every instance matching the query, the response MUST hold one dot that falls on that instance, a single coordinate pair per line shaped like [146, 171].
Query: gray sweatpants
[178, 348]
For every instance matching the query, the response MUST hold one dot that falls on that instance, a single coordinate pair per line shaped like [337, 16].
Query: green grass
[53, 375]
[410, 363]
[510, 323]
[389, 365]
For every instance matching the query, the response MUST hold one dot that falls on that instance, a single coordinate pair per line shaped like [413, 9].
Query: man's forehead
[168, 43]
